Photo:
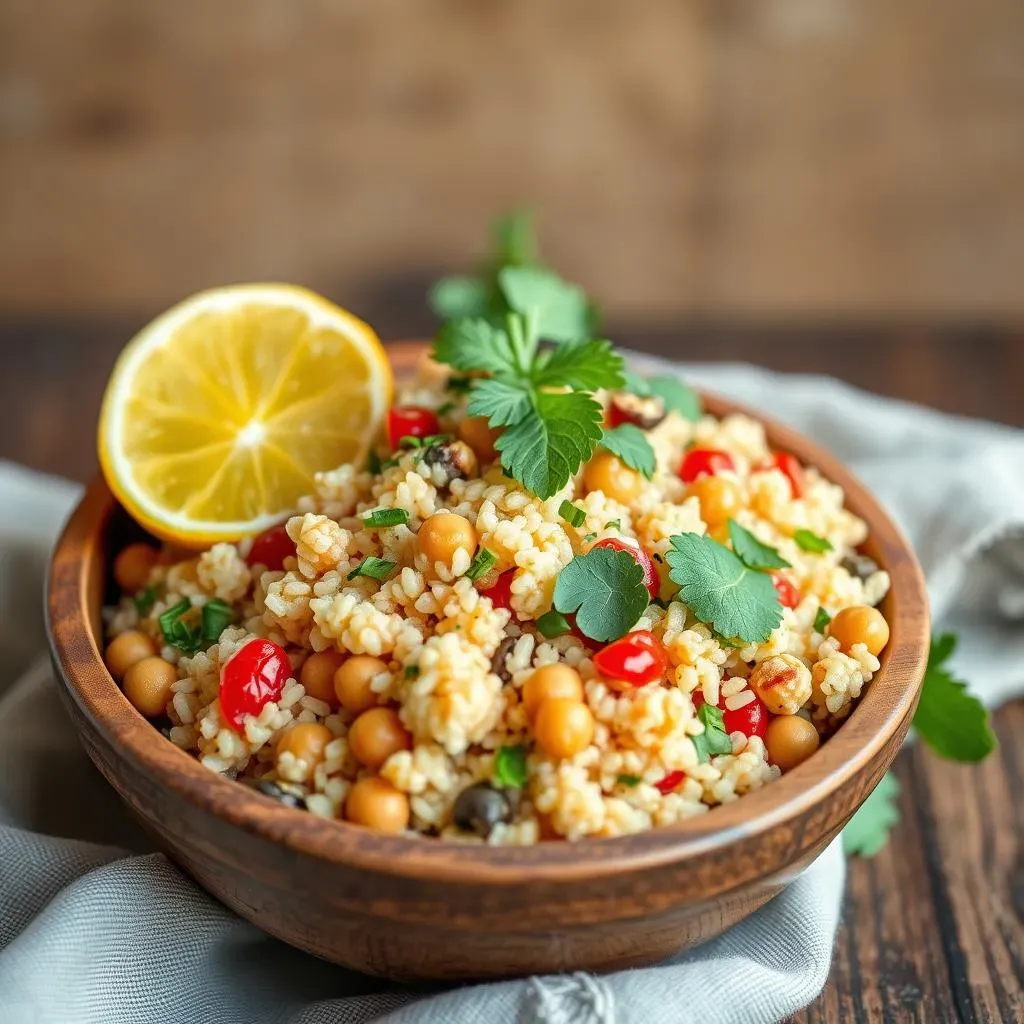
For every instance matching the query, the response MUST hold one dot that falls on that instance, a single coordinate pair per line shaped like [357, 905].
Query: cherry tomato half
[789, 596]
[500, 592]
[789, 466]
[637, 553]
[704, 462]
[410, 421]
[635, 659]
[251, 679]
[751, 719]
[618, 413]
[271, 548]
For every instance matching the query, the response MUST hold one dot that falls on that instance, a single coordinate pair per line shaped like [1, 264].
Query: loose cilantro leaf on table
[509, 770]
[721, 591]
[714, 739]
[751, 552]
[605, 588]
[867, 831]
[675, 395]
[632, 447]
[951, 721]
[807, 540]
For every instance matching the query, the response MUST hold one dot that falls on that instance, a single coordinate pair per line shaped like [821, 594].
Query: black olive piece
[498, 666]
[276, 792]
[643, 420]
[455, 459]
[859, 565]
[478, 808]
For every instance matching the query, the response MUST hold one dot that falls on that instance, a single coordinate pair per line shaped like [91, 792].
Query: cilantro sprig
[714, 739]
[605, 589]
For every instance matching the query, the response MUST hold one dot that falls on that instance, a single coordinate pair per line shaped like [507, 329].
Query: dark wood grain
[408, 908]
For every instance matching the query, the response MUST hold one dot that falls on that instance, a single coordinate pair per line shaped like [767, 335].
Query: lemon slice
[220, 411]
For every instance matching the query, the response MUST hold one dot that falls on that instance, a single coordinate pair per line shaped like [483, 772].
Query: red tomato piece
[671, 781]
[501, 591]
[788, 594]
[789, 466]
[637, 553]
[251, 679]
[751, 719]
[410, 421]
[271, 548]
[637, 658]
[704, 462]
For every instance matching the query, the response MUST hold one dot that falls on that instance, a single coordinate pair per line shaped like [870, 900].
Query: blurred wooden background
[775, 157]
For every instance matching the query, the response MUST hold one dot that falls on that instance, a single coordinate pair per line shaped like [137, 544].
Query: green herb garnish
[821, 621]
[178, 633]
[605, 589]
[721, 591]
[868, 830]
[629, 780]
[382, 517]
[374, 568]
[572, 514]
[714, 739]
[444, 408]
[145, 599]
[806, 540]
[613, 524]
[483, 560]
[217, 616]
[751, 552]
[630, 444]
[674, 394]
[373, 464]
[588, 537]
[509, 770]
[411, 672]
[552, 624]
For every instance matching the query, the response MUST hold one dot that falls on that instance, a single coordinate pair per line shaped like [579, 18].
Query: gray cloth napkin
[95, 928]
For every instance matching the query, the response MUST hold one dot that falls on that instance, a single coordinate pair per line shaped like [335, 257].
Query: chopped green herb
[444, 408]
[483, 560]
[613, 524]
[145, 599]
[714, 739]
[629, 443]
[411, 672]
[178, 633]
[751, 552]
[509, 768]
[382, 517]
[552, 624]
[409, 441]
[721, 591]
[432, 439]
[821, 621]
[605, 589]
[572, 514]
[588, 537]
[375, 568]
[808, 541]
[629, 780]
[373, 464]
[460, 385]
[868, 830]
[217, 616]
[389, 463]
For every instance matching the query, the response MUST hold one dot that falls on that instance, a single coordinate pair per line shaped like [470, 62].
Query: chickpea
[125, 650]
[720, 499]
[444, 533]
[548, 683]
[377, 734]
[783, 682]
[375, 803]
[790, 741]
[480, 436]
[317, 676]
[132, 566]
[860, 624]
[147, 684]
[352, 681]
[305, 741]
[608, 473]
[563, 727]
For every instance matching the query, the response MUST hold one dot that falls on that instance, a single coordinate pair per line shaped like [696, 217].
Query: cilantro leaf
[632, 447]
[950, 720]
[583, 365]
[605, 588]
[547, 439]
[721, 591]
[455, 297]
[714, 739]
[807, 540]
[501, 401]
[475, 344]
[867, 831]
[552, 624]
[561, 308]
[751, 552]
[509, 770]
[676, 396]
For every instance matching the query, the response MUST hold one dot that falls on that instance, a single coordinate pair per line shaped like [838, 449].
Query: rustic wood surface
[932, 929]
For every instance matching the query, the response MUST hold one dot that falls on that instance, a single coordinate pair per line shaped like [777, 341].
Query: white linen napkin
[96, 928]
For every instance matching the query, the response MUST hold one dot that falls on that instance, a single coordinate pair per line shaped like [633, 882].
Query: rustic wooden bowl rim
[886, 703]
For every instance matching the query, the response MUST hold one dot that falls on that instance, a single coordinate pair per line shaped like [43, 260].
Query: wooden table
[933, 926]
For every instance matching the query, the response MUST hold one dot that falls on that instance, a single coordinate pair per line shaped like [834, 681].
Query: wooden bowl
[414, 908]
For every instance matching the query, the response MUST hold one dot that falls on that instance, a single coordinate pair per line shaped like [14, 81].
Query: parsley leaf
[455, 297]
[605, 588]
[509, 770]
[582, 365]
[807, 540]
[951, 721]
[721, 591]
[821, 621]
[867, 831]
[516, 238]
[632, 447]
[475, 344]
[714, 739]
[561, 308]
[751, 552]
